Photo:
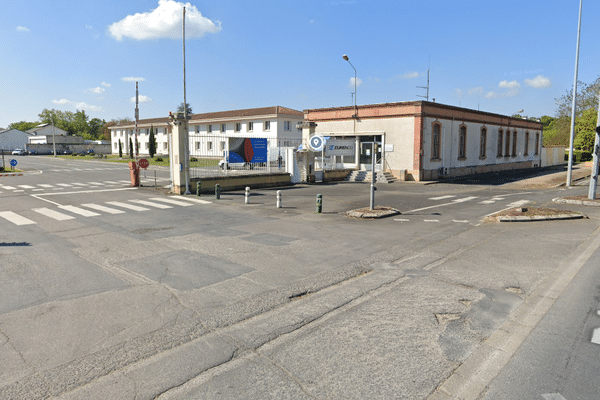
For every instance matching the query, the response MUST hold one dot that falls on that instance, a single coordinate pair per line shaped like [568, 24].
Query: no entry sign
[143, 163]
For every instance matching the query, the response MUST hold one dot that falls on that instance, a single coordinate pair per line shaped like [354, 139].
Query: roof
[249, 112]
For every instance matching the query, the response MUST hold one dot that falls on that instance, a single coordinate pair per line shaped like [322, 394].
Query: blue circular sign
[13, 162]
[316, 143]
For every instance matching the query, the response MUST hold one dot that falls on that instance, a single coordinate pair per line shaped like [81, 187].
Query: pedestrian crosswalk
[36, 187]
[88, 210]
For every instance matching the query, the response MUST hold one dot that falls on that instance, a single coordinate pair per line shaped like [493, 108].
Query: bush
[579, 156]
[193, 159]
[158, 159]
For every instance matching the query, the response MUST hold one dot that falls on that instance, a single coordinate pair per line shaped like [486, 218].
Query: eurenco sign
[340, 147]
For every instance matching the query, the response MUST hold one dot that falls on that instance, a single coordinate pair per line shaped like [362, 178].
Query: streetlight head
[345, 57]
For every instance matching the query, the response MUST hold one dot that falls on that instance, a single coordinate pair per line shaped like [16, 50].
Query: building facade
[209, 132]
[11, 139]
[425, 141]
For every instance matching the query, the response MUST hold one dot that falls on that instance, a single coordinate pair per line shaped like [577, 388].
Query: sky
[497, 56]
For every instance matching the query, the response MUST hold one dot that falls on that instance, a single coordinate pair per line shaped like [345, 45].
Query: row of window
[213, 128]
[504, 148]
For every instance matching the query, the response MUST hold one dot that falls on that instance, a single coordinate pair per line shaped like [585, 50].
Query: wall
[13, 139]
[207, 184]
[554, 155]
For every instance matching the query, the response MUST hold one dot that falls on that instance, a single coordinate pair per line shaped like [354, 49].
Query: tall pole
[570, 168]
[53, 137]
[596, 154]
[186, 164]
[137, 120]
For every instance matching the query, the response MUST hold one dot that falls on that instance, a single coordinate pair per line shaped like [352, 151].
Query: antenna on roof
[426, 87]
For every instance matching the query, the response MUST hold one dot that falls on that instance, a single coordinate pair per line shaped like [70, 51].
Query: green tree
[587, 97]
[152, 142]
[23, 125]
[181, 107]
[130, 148]
[120, 149]
[585, 129]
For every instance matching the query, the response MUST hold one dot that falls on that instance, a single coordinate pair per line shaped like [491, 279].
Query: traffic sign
[316, 143]
[143, 163]
[13, 162]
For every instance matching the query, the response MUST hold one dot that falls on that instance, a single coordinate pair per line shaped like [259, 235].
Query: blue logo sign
[316, 143]
[13, 162]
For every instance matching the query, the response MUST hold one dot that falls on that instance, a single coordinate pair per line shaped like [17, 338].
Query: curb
[540, 218]
[560, 200]
[382, 212]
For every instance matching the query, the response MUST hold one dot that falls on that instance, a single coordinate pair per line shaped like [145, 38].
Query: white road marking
[195, 200]
[596, 336]
[464, 199]
[553, 396]
[19, 191]
[64, 184]
[80, 184]
[15, 218]
[172, 201]
[431, 220]
[126, 205]
[512, 205]
[111, 182]
[461, 222]
[96, 183]
[487, 201]
[103, 208]
[402, 220]
[25, 186]
[80, 211]
[53, 214]
[45, 185]
[442, 197]
[151, 204]
[9, 187]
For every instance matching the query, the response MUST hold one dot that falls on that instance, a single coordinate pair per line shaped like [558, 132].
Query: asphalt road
[130, 293]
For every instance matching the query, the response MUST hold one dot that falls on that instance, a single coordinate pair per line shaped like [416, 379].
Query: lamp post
[345, 57]
[53, 137]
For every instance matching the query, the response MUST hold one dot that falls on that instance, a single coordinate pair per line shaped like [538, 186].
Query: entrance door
[366, 155]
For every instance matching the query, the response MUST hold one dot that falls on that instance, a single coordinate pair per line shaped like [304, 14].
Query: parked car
[67, 152]
[19, 152]
[32, 152]
[234, 165]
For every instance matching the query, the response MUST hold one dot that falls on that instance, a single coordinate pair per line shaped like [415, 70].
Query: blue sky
[497, 55]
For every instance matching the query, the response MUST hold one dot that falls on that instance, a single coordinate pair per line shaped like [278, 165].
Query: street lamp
[345, 57]
[53, 137]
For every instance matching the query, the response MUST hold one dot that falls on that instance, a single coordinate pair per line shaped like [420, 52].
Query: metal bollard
[319, 203]
[279, 199]
[198, 188]
[217, 191]
[247, 196]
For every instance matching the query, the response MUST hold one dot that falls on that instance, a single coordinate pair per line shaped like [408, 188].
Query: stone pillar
[178, 167]
[306, 160]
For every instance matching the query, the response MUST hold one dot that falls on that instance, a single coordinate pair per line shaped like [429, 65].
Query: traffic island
[578, 200]
[377, 212]
[533, 214]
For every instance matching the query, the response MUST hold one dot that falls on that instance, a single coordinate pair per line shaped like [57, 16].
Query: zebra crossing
[87, 210]
[45, 187]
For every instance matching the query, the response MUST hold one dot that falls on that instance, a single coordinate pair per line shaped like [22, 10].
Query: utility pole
[425, 87]
[572, 139]
[137, 120]
[186, 162]
[596, 154]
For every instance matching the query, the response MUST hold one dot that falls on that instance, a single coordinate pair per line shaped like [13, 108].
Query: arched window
[526, 146]
[436, 139]
[514, 144]
[462, 143]
[507, 144]
[500, 141]
[483, 143]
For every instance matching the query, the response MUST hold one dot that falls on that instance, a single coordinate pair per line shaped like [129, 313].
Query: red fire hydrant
[134, 172]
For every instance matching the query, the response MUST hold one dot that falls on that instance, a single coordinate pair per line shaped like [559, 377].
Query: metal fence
[210, 156]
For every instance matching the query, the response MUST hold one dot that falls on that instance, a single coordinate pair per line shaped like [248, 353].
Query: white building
[11, 139]
[44, 133]
[209, 132]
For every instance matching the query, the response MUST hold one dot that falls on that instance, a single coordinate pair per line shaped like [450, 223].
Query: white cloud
[312, 22]
[475, 91]
[133, 79]
[509, 85]
[539, 82]
[358, 82]
[88, 107]
[411, 75]
[165, 21]
[141, 99]
[22, 29]
[61, 102]
[97, 90]
[458, 92]
[491, 95]
[105, 84]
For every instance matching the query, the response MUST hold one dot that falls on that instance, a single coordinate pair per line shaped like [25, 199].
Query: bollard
[279, 199]
[319, 203]
[198, 188]
[217, 191]
[247, 196]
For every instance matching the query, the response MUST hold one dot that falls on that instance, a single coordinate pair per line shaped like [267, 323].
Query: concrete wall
[76, 148]
[13, 139]
[554, 155]
[207, 184]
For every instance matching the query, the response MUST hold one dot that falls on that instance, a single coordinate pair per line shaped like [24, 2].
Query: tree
[181, 107]
[585, 128]
[23, 125]
[120, 149]
[587, 97]
[152, 142]
[130, 148]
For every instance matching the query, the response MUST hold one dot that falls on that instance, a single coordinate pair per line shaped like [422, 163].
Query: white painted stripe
[498, 198]
[53, 214]
[487, 202]
[195, 200]
[80, 184]
[19, 191]
[151, 204]
[128, 206]
[64, 184]
[25, 186]
[431, 220]
[464, 199]
[402, 220]
[172, 201]
[80, 211]
[442, 197]
[36, 190]
[518, 203]
[125, 181]
[9, 187]
[96, 183]
[103, 208]
[15, 218]
[553, 396]
[45, 185]
[596, 336]
[460, 222]
[111, 182]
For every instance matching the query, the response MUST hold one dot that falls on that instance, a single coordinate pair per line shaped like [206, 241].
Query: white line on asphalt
[172, 201]
[195, 200]
[126, 205]
[36, 190]
[401, 220]
[553, 396]
[151, 204]
[464, 199]
[80, 211]
[103, 208]
[431, 220]
[111, 182]
[512, 205]
[53, 214]
[15, 218]
[25, 186]
[487, 201]
[87, 191]
[19, 191]
[96, 183]
[80, 184]
[8, 187]
[460, 222]
[596, 336]
[442, 197]
[45, 185]
[64, 184]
